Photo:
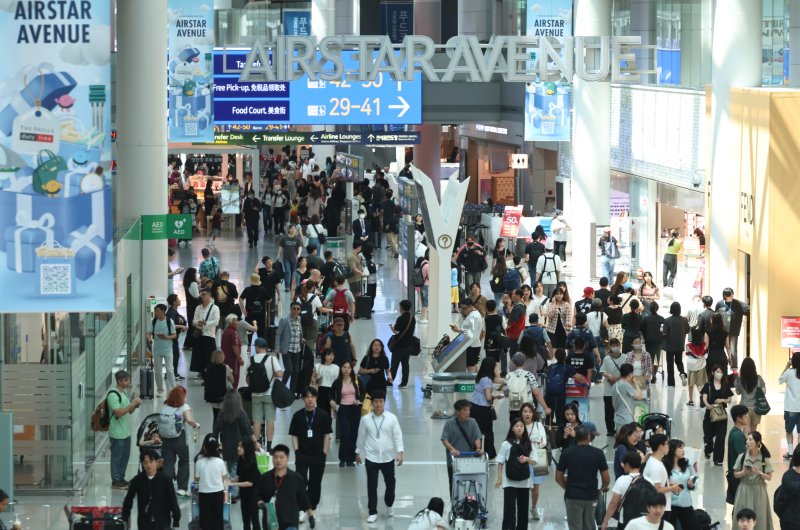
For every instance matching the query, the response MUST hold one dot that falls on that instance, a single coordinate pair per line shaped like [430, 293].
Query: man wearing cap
[461, 434]
[253, 302]
[263, 409]
[584, 305]
[577, 472]
[473, 325]
[609, 252]
[225, 294]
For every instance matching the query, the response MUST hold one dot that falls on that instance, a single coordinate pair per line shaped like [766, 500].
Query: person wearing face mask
[360, 227]
[252, 213]
[623, 394]
[609, 370]
[641, 361]
[715, 393]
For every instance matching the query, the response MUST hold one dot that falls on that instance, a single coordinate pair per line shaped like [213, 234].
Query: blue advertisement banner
[397, 20]
[306, 102]
[56, 227]
[549, 18]
[547, 112]
[296, 22]
[191, 71]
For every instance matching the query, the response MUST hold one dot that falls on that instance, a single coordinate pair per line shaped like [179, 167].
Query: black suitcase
[363, 303]
[147, 381]
[270, 331]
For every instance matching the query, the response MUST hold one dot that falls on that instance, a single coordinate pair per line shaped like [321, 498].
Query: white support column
[735, 62]
[141, 183]
[794, 43]
[590, 143]
[323, 20]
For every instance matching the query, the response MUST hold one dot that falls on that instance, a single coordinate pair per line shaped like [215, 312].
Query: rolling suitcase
[95, 518]
[147, 381]
[270, 331]
[363, 303]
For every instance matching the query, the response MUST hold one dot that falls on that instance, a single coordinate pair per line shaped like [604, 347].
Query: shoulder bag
[718, 413]
[541, 467]
[761, 407]
[282, 397]
[394, 339]
[198, 332]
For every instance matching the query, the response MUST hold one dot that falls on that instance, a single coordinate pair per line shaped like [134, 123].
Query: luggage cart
[470, 483]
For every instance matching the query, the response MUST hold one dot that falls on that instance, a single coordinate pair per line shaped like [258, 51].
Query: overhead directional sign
[305, 102]
[317, 138]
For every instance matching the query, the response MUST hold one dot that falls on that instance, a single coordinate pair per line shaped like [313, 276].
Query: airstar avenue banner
[55, 151]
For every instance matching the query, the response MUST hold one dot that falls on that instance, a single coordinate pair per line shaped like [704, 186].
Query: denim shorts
[791, 421]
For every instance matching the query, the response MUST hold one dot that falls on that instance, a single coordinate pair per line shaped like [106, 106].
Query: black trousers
[311, 467]
[252, 231]
[481, 415]
[266, 215]
[714, 437]
[372, 292]
[560, 249]
[400, 358]
[349, 419]
[677, 358]
[306, 369]
[291, 363]
[556, 402]
[279, 219]
[211, 515]
[515, 508]
[387, 470]
[670, 269]
[608, 406]
[686, 517]
[250, 514]
[176, 356]
[176, 449]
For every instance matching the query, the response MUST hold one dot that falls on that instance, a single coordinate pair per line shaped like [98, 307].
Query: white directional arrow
[371, 137]
[256, 138]
[405, 106]
[313, 138]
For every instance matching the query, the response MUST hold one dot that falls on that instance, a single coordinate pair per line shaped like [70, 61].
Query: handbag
[541, 467]
[761, 407]
[717, 413]
[366, 405]
[492, 412]
[270, 517]
[198, 332]
[48, 164]
[320, 237]
[282, 397]
[416, 346]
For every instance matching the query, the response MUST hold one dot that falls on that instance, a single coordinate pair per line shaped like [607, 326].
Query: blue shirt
[453, 277]
[162, 347]
[479, 392]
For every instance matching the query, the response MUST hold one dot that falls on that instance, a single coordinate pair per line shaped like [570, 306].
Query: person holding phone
[119, 428]
[685, 476]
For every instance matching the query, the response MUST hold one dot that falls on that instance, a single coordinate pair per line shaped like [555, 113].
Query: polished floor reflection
[423, 474]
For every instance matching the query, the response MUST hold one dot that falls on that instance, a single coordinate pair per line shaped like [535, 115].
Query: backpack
[519, 390]
[513, 468]
[544, 268]
[170, 425]
[222, 294]
[556, 378]
[101, 417]
[634, 502]
[257, 379]
[512, 280]
[341, 270]
[416, 277]
[340, 306]
[169, 325]
[780, 501]
[307, 311]
[497, 284]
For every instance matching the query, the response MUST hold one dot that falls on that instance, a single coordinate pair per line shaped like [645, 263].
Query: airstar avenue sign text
[515, 59]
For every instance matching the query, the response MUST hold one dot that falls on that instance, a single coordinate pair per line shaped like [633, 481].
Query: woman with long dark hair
[374, 369]
[208, 202]
[247, 476]
[538, 437]
[625, 440]
[482, 400]
[431, 517]
[753, 469]
[559, 314]
[715, 394]
[718, 345]
[680, 472]
[346, 396]
[499, 270]
[746, 385]
[191, 291]
[232, 426]
[572, 420]
[212, 478]
[516, 448]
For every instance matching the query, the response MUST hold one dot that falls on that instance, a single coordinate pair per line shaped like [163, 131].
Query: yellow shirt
[676, 247]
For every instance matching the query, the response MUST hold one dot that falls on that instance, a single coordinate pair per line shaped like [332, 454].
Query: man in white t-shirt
[263, 409]
[548, 269]
[655, 472]
[473, 325]
[631, 463]
[654, 518]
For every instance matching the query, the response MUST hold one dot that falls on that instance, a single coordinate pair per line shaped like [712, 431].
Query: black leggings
[250, 515]
[515, 508]
[714, 437]
[482, 416]
[685, 515]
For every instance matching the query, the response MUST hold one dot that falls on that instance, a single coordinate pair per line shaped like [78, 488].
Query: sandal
[690, 403]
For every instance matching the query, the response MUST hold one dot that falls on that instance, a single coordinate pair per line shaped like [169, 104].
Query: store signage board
[167, 226]
[510, 226]
[56, 197]
[790, 332]
[307, 102]
[350, 166]
[316, 138]
[296, 22]
[397, 19]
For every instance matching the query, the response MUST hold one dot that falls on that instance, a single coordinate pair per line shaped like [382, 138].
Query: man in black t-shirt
[582, 361]
[327, 271]
[533, 251]
[584, 305]
[576, 473]
[253, 302]
[603, 292]
[310, 430]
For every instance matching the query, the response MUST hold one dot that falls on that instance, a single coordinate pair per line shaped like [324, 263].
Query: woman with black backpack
[514, 476]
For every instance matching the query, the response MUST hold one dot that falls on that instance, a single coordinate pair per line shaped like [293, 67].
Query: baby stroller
[147, 436]
[655, 423]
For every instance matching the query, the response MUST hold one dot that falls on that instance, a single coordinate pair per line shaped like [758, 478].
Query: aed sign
[166, 226]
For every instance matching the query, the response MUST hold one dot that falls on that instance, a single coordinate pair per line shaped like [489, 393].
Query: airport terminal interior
[629, 162]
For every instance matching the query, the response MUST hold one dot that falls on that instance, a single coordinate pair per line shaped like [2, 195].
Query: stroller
[147, 436]
[655, 423]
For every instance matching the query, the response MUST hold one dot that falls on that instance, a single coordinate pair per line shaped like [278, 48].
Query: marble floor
[423, 474]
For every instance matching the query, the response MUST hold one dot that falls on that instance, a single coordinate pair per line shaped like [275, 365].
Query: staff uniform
[379, 441]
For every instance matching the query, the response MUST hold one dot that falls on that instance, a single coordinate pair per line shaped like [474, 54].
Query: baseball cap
[592, 428]
[225, 272]
[261, 343]
[588, 291]
[255, 279]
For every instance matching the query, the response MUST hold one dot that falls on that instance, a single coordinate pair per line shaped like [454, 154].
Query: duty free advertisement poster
[56, 225]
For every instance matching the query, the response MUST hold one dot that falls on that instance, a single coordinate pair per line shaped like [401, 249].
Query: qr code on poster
[56, 279]
[190, 128]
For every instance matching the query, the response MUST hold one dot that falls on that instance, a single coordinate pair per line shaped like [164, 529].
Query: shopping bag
[262, 461]
[47, 168]
[541, 468]
[270, 517]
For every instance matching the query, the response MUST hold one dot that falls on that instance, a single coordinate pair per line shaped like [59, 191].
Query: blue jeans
[120, 454]
[288, 271]
[607, 267]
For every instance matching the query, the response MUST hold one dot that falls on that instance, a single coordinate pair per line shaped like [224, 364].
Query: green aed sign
[167, 226]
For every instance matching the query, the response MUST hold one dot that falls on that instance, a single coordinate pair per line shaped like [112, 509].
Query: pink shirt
[348, 396]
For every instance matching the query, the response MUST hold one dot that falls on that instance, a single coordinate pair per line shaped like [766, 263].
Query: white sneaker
[182, 493]
[372, 518]
[389, 512]
[424, 321]
[303, 517]
[683, 379]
